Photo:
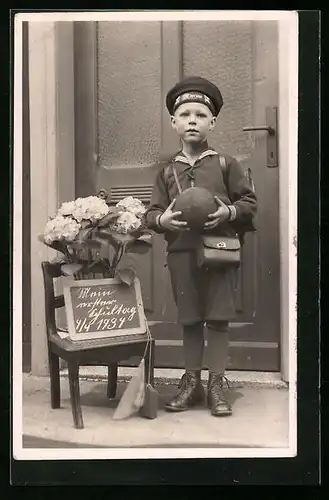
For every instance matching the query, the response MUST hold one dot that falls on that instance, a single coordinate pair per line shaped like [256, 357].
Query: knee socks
[193, 343]
[217, 348]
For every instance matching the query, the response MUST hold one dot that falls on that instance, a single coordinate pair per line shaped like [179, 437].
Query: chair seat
[84, 345]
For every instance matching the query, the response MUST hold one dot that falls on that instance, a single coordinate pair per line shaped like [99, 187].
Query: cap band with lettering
[194, 97]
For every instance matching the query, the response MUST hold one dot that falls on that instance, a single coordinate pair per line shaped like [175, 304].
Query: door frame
[288, 151]
[288, 71]
[52, 165]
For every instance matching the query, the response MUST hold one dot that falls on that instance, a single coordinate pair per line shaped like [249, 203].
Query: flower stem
[118, 257]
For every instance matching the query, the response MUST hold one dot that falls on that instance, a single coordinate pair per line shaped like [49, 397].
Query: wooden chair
[96, 352]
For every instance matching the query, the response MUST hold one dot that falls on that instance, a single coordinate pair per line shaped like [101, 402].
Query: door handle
[272, 137]
[270, 130]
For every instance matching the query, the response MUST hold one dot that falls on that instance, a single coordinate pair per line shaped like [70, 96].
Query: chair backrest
[51, 271]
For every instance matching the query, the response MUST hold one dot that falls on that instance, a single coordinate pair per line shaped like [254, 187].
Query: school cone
[139, 395]
[133, 397]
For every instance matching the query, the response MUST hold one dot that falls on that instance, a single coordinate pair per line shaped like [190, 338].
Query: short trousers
[201, 294]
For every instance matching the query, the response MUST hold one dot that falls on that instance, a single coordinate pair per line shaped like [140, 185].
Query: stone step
[169, 376]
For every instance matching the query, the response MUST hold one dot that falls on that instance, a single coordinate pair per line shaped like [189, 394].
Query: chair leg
[55, 389]
[112, 380]
[73, 368]
[149, 363]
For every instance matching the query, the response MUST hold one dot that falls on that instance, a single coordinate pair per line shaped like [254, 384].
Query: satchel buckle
[221, 244]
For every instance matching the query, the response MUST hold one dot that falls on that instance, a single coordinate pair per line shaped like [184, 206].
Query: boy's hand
[221, 215]
[167, 220]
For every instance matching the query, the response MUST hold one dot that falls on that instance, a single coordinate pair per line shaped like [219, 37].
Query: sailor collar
[180, 157]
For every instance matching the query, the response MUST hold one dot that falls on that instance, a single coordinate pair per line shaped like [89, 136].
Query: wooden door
[123, 128]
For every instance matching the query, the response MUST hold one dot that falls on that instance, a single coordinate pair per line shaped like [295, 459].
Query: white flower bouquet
[87, 229]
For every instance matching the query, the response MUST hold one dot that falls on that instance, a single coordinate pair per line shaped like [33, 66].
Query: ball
[195, 203]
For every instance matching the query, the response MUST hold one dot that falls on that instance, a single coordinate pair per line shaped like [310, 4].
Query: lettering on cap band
[193, 97]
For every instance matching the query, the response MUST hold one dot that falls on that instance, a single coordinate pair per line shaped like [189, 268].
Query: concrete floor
[260, 419]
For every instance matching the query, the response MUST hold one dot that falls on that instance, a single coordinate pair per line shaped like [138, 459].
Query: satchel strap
[224, 167]
[222, 162]
[176, 179]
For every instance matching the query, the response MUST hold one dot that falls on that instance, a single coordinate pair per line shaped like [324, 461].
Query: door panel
[129, 93]
[136, 64]
[222, 51]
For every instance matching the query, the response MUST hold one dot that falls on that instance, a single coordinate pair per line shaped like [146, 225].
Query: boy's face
[193, 121]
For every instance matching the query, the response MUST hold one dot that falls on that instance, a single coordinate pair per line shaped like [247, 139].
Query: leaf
[139, 246]
[123, 239]
[104, 233]
[55, 245]
[100, 266]
[95, 263]
[86, 224]
[126, 276]
[107, 237]
[137, 233]
[59, 260]
[71, 269]
[94, 242]
[128, 261]
[109, 217]
[83, 235]
[77, 245]
[146, 235]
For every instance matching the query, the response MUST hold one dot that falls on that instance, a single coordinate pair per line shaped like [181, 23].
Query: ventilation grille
[143, 193]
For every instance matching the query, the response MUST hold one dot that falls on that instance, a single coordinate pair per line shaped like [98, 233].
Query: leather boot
[218, 405]
[190, 392]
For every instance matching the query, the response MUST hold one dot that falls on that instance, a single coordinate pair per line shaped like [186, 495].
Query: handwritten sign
[101, 308]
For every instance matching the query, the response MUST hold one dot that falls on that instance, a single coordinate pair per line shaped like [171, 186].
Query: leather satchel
[219, 251]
